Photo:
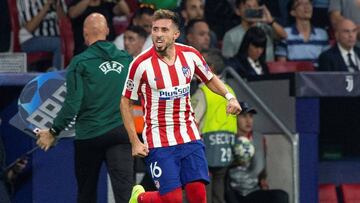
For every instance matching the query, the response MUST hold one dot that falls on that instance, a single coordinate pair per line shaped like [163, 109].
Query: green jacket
[94, 81]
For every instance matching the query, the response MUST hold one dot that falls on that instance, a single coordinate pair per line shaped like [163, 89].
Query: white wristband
[229, 96]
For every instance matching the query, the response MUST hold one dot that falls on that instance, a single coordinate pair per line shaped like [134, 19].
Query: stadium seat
[327, 193]
[350, 193]
[289, 66]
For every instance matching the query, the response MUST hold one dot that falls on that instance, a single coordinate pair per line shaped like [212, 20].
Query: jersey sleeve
[202, 70]
[73, 98]
[133, 81]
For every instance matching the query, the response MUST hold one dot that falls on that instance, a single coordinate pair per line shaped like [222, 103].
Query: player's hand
[233, 107]
[45, 139]
[139, 149]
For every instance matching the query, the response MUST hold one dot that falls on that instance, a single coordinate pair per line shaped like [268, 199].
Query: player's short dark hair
[167, 14]
[138, 30]
[190, 26]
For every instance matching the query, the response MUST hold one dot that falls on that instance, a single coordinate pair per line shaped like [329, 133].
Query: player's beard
[162, 50]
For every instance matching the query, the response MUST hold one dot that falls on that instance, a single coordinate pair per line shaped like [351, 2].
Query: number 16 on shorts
[155, 170]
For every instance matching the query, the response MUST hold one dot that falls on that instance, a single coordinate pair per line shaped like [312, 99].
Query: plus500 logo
[174, 93]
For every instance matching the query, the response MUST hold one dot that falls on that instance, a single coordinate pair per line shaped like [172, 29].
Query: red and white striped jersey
[165, 94]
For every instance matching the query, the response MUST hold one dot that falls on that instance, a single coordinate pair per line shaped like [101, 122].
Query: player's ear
[176, 34]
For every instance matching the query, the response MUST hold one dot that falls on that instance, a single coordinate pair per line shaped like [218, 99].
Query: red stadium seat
[289, 66]
[327, 193]
[350, 193]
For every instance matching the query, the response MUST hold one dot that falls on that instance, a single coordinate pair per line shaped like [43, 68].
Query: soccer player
[94, 82]
[172, 145]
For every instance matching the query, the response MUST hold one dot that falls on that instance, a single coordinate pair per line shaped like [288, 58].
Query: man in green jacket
[94, 81]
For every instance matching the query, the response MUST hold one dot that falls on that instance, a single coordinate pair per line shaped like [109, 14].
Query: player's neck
[169, 55]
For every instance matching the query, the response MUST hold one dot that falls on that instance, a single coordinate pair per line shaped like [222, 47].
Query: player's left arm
[218, 87]
[202, 71]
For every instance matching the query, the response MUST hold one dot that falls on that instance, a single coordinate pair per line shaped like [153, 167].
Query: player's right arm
[130, 92]
[138, 148]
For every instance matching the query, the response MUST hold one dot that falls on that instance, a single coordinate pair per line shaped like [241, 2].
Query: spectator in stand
[278, 9]
[304, 42]
[343, 56]
[340, 9]
[246, 179]
[198, 34]
[39, 27]
[80, 9]
[134, 40]
[143, 18]
[191, 10]
[245, 10]
[250, 59]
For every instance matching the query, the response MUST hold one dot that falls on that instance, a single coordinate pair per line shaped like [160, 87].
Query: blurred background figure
[252, 14]
[320, 16]
[250, 59]
[80, 9]
[134, 40]
[39, 27]
[278, 9]
[198, 34]
[340, 9]
[192, 10]
[143, 18]
[304, 42]
[8, 175]
[215, 125]
[344, 55]
[246, 177]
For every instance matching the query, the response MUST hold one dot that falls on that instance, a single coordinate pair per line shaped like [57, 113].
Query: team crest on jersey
[186, 71]
[130, 85]
[108, 66]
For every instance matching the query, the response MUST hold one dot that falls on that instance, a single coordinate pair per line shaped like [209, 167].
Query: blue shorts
[175, 166]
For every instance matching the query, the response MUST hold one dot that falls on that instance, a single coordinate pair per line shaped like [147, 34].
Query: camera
[254, 13]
